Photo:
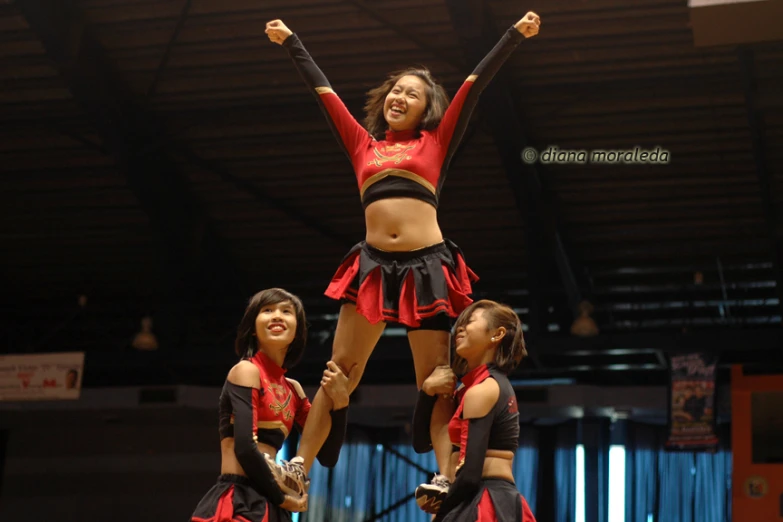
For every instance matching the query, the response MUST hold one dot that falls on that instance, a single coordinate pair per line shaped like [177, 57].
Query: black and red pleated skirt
[497, 500]
[404, 287]
[233, 499]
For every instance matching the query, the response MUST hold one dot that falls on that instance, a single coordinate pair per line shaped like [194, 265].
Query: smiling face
[276, 327]
[406, 103]
[473, 339]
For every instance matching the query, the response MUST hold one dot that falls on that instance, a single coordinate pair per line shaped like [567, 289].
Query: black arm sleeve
[494, 60]
[348, 132]
[455, 121]
[422, 418]
[308, 70]
[476, 441]
[330, 451]
[245, 448]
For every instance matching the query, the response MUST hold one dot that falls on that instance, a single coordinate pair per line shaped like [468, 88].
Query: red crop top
[411, 163]
[276, 406]
[251, 415]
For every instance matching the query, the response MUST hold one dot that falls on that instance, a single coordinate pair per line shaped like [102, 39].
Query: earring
[493, 339]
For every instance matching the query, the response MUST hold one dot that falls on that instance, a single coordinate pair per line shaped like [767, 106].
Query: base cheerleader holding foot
[258, 407]
[484, 431]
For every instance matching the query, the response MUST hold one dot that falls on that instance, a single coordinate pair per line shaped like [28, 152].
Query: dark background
[164, 158]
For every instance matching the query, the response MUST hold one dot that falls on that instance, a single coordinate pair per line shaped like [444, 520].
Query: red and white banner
[41, 377]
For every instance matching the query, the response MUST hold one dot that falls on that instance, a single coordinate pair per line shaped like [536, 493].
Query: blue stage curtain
[398, 480]
[371, 478]
[343, 493]
[641, 479]
[526, 465]
[682, 486]
[565, 472]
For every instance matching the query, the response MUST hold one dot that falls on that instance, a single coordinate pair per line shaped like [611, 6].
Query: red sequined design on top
[276, 406]
[407, 163]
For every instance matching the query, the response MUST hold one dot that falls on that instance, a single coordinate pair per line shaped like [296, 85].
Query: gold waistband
[375, 178]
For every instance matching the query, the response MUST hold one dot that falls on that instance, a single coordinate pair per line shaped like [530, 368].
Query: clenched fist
[336, 385]
[277, 31]
[440, 382]
[529, 24]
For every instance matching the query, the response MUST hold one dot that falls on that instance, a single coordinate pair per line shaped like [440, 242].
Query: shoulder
[245, 373]
[297, 388]
[481, 398]
[501, 378]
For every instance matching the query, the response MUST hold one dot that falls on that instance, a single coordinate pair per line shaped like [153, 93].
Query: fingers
[274, 37]
[297, 504]
[331, 375]
[277, 31]
[333, 367]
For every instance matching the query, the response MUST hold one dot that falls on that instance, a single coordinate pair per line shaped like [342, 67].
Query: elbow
[472, 485]
[466, 486]
[421, 445]
[244, 449]
[327, 461]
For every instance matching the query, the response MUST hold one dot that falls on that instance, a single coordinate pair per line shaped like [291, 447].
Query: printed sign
[692, 402]
[41, 377]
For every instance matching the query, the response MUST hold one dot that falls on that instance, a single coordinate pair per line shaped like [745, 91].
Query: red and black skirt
[497, 500]
[233, 499]
[404, 287]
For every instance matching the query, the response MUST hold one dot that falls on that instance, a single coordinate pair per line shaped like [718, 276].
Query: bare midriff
[229, 465]
[497, 464]
[401, 224]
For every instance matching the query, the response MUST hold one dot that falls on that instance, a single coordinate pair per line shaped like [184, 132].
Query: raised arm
[349, 133]
[457, 116]
[478, 409]
[243, 382]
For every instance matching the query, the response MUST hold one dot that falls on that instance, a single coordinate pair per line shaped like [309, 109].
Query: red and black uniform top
[411, 163]
[267, 415]
[497, 430]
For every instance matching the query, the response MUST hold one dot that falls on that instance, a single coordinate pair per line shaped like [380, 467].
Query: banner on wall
[692, 402]
[41, 377]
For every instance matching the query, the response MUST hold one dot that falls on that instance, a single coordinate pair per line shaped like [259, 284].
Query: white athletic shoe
[430, 496]
[290, 476]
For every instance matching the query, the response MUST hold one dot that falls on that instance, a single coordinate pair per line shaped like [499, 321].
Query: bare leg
[354, 341]
[430, 349]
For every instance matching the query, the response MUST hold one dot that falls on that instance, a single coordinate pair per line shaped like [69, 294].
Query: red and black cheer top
[250, 415]
[413, 163]
[504, 418]
[497, 430]
[276, 406]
